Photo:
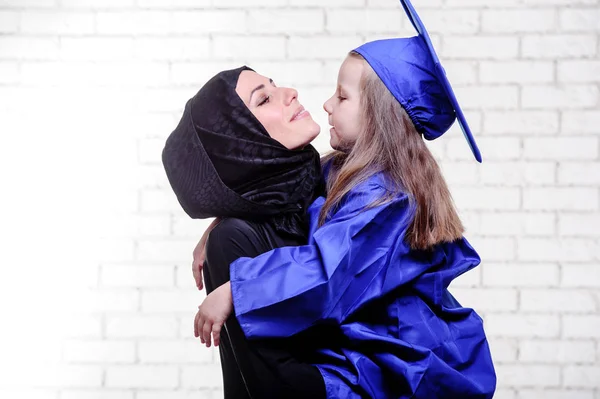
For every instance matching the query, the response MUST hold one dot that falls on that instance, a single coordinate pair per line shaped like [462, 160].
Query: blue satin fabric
[406, 336]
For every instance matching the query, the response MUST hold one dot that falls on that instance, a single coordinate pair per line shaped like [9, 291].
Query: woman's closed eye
[264, 100]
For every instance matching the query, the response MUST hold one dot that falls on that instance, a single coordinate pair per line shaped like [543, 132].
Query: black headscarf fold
[221, 162]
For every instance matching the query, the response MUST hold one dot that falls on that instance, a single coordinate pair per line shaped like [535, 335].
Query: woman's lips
[301, 115]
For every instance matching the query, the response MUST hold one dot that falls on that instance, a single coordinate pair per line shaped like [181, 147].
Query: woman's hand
[213, 312]
[199, 255]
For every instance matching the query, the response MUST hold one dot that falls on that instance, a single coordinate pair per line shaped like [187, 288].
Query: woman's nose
[290, 95]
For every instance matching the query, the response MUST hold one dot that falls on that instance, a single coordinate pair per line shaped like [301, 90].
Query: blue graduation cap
[411, 70]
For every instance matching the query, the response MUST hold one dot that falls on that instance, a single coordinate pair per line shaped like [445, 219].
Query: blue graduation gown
[406, 336]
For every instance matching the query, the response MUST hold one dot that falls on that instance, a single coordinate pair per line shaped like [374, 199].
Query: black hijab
[221, 162]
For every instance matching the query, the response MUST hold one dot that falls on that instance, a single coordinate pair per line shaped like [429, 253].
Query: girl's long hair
[390, 143]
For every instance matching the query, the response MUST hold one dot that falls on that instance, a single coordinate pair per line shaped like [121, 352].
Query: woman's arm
[199, 254]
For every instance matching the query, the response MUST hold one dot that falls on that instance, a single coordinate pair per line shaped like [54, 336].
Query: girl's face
[278, 110]
[343, 108]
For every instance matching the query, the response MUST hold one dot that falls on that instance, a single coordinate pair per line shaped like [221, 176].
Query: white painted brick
[9, 72]
[520, 275]
[529, 375]
[450, 21]
[521, 20]
[82, 326]
[491, 148]
[582, 276]
[150, 151]
[293, 73]
[461, 72]
[133, 22]
[561, 148]
[28, 3]
[484, 47]
[101, 394]
[581, 173]
[581, 326]
[516, 71]
[250, 3]
[459, 172]
[209, 21]
[477, 3]
[488, 299]
[390, 4]
[505, 223]
[136, 326]
[9, 21]
[100, 300]
[487, 198]
[141, 376]
[579, 71]
[110, 249]
[176, 49]
[517, 173]
[328, 4]
[184, 277]
[580, 19]
[581, 121]
[69, 23]
[494, 249]
[522, 325]
[64, 376]
[521, 122]
[488, 97]
[470, 279]
[556, 351]
[363, 21]
[158, 201]
[557, 300]
[27, 393]
[323, 47]
[580, 376]
[196, 73]
[190, 228]
[560, 198]
[569, 96]
[555, 394]
[503, 350]
[558, 46]
[28, 48]
[96, 48]
[172, 301]
[137, 276]
[201, 376]
[198, 393]
[552, 250]
[188, 351]
[174, 4]
[559, 2]
[165, 250]
[99, 351]
[254, 47]
[98, 4]
[286, 21]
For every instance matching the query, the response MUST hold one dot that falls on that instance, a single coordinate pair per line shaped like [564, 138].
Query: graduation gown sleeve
[353, 258]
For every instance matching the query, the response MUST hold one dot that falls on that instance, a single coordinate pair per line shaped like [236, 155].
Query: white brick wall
[95, 280]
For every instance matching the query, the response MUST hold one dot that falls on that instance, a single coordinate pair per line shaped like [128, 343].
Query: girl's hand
[199, 255]
[212, 314]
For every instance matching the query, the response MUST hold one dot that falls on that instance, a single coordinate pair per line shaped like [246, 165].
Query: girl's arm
[358, 255]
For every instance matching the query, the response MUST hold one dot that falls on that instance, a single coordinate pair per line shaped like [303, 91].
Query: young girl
[383, 246]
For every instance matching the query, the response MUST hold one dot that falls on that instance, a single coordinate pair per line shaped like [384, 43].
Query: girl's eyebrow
[259, 87]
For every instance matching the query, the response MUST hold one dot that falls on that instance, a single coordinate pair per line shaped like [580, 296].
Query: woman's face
[278, 110]
[344, 107]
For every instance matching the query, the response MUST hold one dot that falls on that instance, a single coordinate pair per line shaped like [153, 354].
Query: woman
[241, 151]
